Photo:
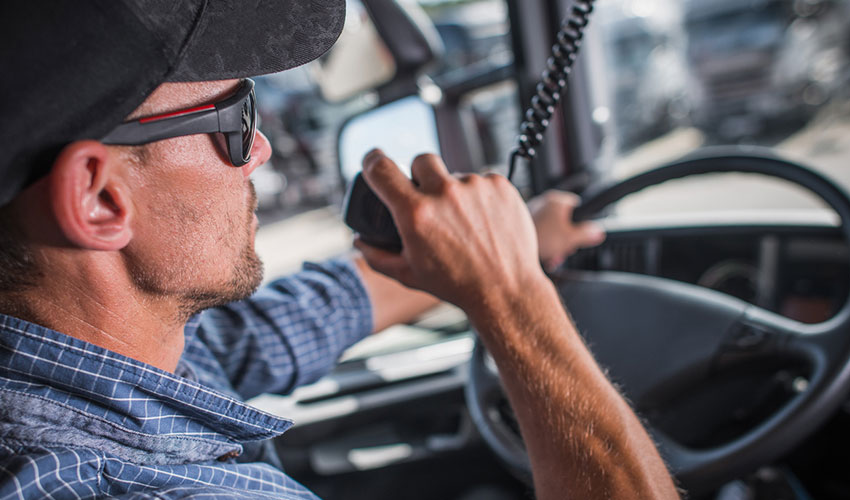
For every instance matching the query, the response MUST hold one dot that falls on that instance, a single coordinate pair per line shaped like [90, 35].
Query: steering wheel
[657, 336]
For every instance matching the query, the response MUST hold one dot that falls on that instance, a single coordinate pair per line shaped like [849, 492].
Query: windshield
[682, 74]
[670, 76]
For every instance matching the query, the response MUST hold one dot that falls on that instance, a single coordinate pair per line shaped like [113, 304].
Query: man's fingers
[429, 171]
[391, 264]
[590, 234]
[387, 180]
[570, 199]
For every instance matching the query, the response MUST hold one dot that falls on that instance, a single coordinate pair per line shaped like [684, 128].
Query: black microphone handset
[367, 215]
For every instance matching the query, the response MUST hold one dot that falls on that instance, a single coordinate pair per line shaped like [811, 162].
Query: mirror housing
[358, 62]
[386, 50]
[408, 33]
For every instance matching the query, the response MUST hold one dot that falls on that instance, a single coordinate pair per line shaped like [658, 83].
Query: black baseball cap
[74, 69]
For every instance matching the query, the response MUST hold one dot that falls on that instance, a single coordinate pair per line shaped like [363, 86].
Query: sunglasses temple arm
[136, 133]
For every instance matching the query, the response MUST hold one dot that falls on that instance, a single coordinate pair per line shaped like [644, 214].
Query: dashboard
[799, 271]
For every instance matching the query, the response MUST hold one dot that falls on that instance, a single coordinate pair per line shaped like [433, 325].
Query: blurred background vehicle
[763, 65]
[649, 81]
[473, 34]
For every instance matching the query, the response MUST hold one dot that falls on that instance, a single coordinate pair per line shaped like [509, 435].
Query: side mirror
[403, 129]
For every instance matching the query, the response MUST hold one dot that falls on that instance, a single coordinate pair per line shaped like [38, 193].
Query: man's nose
[261, 151]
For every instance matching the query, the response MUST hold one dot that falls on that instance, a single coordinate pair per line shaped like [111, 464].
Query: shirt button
[228, 456]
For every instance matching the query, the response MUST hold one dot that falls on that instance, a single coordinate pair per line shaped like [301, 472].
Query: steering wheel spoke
[762, 333]
[759, 333]
[676, 328]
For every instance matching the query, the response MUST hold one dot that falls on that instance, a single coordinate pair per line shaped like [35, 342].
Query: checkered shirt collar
[126, 399]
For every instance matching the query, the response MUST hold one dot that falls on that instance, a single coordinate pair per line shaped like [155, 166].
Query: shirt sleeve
[291, 332]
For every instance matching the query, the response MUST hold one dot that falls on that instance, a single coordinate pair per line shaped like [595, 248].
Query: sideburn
[18, 269]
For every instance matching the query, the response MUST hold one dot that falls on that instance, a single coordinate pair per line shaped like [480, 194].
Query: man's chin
[244, 283]
[247, 278]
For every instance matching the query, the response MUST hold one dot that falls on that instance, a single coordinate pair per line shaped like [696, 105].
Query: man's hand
[557, 236]
[466, 239]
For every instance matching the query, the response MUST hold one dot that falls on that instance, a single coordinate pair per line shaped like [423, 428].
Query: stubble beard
[245, 277]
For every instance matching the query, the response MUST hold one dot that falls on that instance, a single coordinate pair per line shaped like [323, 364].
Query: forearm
[392, 302]
[581, 435]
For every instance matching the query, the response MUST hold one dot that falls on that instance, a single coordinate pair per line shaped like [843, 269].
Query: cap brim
[237, 39]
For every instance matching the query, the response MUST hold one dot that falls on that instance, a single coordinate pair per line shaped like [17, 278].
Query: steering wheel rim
[743, 326]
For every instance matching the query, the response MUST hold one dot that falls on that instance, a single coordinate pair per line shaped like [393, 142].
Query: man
[127, 210]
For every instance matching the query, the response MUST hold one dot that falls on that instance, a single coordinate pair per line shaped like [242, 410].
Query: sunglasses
[234, 117]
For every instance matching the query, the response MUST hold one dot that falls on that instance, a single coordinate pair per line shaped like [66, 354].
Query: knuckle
[473, 180]
[562, 197]
[551, 199]
[501, 183]
[451, 189]
[427, 170]
[420, 214]
[451, 184]
[426, 158]
[550, 196]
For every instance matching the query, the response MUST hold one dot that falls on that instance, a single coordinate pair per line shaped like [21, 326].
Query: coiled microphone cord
[551, 86]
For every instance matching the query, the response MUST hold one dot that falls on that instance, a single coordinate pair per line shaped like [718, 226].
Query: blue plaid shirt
[78, 421]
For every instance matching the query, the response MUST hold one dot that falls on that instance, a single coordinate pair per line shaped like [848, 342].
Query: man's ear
[89, 197]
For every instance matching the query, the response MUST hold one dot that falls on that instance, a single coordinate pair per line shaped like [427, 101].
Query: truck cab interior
[710, 137]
